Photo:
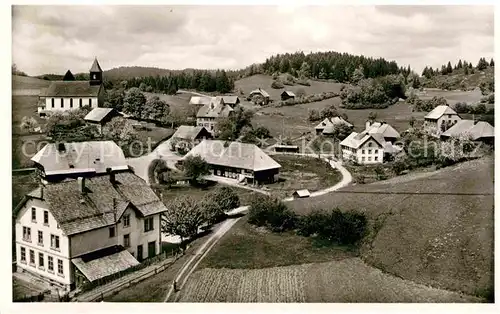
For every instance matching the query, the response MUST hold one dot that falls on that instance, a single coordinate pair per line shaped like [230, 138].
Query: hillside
[26, 82]
[434, 238]
[459, 80]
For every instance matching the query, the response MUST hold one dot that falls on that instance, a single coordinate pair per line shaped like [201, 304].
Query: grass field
[245, 246]
[347, 280]
[439, 239]
[25, 82]
[299, 172]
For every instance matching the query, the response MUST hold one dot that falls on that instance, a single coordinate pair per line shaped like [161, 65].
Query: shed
[100, 116]
[287, 95]
[301, 194]
[286, 148]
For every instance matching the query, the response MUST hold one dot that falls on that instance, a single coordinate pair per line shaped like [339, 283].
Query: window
[370, 144]
[93, 77]
[362, 151]
[126, 240]
[41, 262]
[40, 237]
[90, 102]
[376, 151]
[454, 121]
[62, 102]
[33, 214]
[32, 257]
[27, 234]
[449, 116]
[112, 232]
[369, 151]
[45, 217]
[362, 158]
[60, 269]
[23, 255]
[148, 224]
[52, 102]
[376, 158]
[50, 262]
[126, 220]
[81, 103]
[369, 158]
[71, 102]
[54, 242]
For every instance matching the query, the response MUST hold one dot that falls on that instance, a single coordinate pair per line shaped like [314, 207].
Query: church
[72, 94]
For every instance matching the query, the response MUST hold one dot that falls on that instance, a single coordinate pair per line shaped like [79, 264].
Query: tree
[16, 71]
[449, 69]
[492, 63]
[459, 64]
[482, 64]
[134, 101]
[466, 70]
[218, 202]
[329, 112]
[119, 130]
[195, 167]
[156, 168]
[183, 217]
[379, 171]
[358, 75]
[314, 115]
[114, 99]
[155, 109]
[372, 116]
[262, 132]
[300, 92]
[341, 131]
[412, 121]
[305, 70]
[28, 124]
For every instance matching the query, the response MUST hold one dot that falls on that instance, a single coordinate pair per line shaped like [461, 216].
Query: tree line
[448, 68]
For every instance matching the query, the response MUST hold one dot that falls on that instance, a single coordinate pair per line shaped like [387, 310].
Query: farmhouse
[56, 162]
[328, 124]
[231, 100]
[386, 130]
[100, 116]
[262, 93]
[364, 148]
[191, 134]
[477, 130]
[241, 161]
[70, 94]
[209, 114]
[440, 119]
[287, 95]
[82, 230]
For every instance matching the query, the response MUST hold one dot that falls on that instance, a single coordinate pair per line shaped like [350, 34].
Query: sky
[53, 39]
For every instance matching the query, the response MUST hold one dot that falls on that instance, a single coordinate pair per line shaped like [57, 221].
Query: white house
[67, 95]
[209, 115]
[327, 126]
[386, 130]
[440, 119]
[364, 148]
[81, 230]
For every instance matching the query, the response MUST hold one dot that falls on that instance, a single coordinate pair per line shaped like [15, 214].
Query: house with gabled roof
[100, 116]
[71, 94]
[386, 130]
[328, 124]
[440, 119]
[209, 115]
[480, 131]
[364, 148]
[55, 162]
[85, 229]
[231, 100]
[287, 94]
[235, 160]
[259, 91]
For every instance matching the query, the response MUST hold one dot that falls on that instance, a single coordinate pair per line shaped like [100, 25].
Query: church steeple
[95, 73]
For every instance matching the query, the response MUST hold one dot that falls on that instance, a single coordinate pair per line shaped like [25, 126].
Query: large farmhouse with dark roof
[209, 115]
[82, 230]
[70, 94]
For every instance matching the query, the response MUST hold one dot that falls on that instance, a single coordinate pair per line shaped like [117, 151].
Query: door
[139, 252]
[152, 249]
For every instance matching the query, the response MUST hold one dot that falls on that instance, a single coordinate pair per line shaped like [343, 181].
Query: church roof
[72, 88]
[95, 66]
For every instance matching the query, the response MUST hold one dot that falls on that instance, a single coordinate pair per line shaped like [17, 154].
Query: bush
[359, 178]
[300, 92]
[277, 85]
[272, 213]
[304, 82]
[398, 166]
[314, 115]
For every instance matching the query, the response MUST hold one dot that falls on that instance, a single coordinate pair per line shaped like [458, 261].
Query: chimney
[81, 185]
[367, 124]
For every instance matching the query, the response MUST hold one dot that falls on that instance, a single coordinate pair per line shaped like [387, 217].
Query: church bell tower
[95, 73]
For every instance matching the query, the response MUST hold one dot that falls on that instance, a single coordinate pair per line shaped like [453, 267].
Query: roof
[383, 128]
[439, 111]
[236, 154]
[302, 193]
[355, 140]
[259, 91]
[72, 88]
[286, 146]
[95, 66]
[104, 263]
[102, 204]
[199, 100]
[98, 114]
[231, 100]
[328, 123]
[477, 131]
[78, 157]
[215, 109]
[188, 132]
[289, 93]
